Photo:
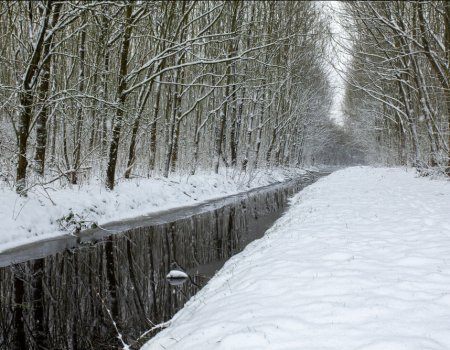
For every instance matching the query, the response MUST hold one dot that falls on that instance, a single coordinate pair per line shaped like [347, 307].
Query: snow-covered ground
[51, 211]
[360, 261]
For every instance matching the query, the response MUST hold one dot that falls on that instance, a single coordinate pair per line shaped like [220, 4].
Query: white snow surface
[177, 274]
[36, 217]
[360, 261]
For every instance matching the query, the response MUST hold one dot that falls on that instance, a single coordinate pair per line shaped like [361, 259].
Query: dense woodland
[109, 90]
[112, 90]
[398, 99]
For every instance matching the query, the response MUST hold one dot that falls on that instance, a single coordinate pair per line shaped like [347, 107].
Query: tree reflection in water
[68, 300]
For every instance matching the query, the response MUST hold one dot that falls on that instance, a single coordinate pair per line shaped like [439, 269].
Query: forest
[114, 90]
[397, 100]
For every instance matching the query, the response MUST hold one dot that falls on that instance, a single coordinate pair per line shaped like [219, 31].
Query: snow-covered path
[360, 261]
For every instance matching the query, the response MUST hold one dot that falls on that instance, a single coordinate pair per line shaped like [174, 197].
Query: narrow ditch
[65, 293]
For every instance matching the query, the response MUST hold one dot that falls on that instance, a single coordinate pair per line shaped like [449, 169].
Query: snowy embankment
[360, 261]
[48, 212]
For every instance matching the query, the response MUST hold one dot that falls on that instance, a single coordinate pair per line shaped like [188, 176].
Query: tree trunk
[196, 139]
[120, 111]
[447, 91]
[41, 121]
[80, 117]
[405, 95]
[174, 122]
[176, 133]
[259, 128]
[153, 126]
[104, 87]
[271, 144]
[176, 140]
[248, 142]
[44, 89]
[26, 99]
[220, 134]
[142, 100]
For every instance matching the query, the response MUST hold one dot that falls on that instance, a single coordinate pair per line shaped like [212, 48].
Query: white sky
[338, 57]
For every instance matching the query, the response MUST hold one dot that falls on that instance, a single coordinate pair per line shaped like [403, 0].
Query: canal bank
[56, 209]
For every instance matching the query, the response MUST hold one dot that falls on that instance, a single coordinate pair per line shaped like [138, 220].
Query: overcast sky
[338, 58]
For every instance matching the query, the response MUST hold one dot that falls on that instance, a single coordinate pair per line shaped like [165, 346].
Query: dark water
[66, 292]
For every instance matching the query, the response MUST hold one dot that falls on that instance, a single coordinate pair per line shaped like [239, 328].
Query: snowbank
[360, 261]
[54, 211]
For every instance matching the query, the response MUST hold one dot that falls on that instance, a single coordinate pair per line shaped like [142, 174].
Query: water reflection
[69, 300]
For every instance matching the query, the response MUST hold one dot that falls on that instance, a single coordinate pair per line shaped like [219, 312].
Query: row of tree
[398, 97]
[133, 88]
